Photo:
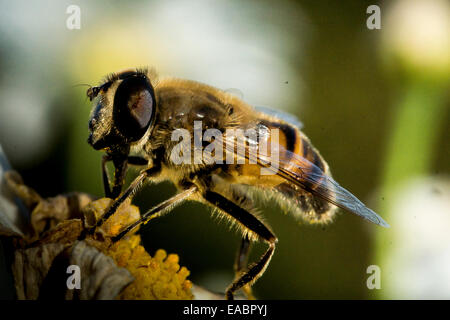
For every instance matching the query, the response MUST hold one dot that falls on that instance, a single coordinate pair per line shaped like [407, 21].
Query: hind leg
[240, 265]
[254, 227]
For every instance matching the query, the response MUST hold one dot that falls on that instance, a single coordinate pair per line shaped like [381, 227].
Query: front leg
[106, 182]
[158, 210]
[120, 168]
[120, 165]
[131, 190]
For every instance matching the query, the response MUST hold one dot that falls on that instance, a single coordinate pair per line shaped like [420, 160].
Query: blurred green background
[374, 102]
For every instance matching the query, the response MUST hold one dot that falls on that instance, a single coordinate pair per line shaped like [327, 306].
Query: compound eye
[134, 107]
[140, 106]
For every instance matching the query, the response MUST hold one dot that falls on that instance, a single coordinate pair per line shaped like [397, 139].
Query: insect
[133, 120]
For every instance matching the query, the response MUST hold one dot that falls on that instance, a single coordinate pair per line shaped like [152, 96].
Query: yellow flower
[157, 278]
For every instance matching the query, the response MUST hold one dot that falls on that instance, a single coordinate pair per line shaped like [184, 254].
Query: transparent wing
[313, 180]
[287, 117]
[235, 92]
[304, 174]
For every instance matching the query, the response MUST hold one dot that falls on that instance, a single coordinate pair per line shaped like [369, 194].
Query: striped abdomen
[295, 197]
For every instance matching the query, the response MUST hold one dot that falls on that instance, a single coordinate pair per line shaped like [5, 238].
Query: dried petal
[31, 267]
[103, 278]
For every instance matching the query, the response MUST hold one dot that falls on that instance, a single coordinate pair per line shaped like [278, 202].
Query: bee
[133, 121]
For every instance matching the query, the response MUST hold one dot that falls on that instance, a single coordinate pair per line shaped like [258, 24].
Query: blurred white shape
[30, 22]
[233, 45]
[418, 31]
[32, 34]
[13, 215]
[235, 92]
[25, 126]
[418, 266]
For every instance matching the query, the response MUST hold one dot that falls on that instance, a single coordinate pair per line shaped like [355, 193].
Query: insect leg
[132, 188]
[132, 160]
[120, 168]
[120, 165]
[253, 225]
[240, 265]
[106, 183]
[158, 211]
[242, 256]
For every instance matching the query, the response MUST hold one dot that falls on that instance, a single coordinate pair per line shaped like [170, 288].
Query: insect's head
[123, 111]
